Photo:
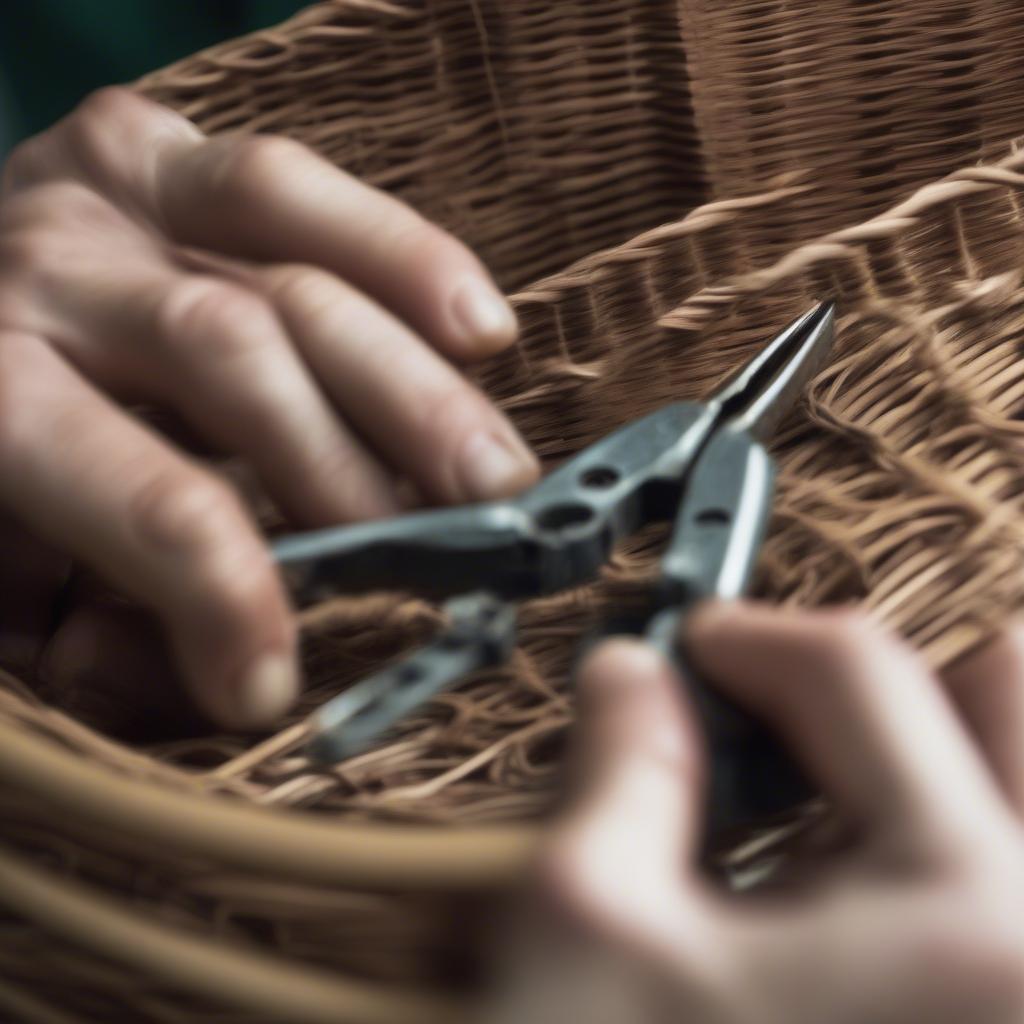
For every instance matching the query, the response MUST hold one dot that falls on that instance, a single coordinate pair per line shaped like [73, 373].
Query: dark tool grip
[752, 778]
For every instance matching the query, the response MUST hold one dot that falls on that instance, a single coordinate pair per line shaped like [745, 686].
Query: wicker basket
[224, 879]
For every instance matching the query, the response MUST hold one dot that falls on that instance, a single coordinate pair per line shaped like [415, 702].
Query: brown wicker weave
[225, 880]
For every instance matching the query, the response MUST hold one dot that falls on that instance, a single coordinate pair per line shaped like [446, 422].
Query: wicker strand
[258, 839]
[251, 981]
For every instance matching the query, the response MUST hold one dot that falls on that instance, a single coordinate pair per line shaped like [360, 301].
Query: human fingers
[108, 665]
[216, 353]
[269, 198]
[620, 859]
[132, 317]
[97, 484]
[860, 708]
[413, 407]
[987, 687]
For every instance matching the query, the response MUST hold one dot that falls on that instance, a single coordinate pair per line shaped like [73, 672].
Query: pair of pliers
[703, 466]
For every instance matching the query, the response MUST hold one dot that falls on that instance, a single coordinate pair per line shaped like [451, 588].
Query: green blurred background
[54, 52]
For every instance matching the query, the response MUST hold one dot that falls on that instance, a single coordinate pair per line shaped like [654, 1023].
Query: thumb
[636, 752]
[620, 852]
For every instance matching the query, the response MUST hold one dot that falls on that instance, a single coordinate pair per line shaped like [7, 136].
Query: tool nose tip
[825, 313]
[819, 327]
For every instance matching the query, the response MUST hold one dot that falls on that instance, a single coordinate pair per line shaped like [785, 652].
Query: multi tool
[703, 466]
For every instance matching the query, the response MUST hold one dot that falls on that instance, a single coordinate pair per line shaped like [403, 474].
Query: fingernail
[492, 467]
[710, 615]
[620, 664]
[268, 690]
[483, 313]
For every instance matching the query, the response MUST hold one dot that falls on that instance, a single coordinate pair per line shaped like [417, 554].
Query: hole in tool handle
[752, 778]
[600, 477]
[713, 517]
[564, 516]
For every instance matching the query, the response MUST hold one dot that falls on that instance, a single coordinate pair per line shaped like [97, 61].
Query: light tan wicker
[224, 879]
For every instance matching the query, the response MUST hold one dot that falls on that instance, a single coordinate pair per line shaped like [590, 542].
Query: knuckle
[199, 520]
[91, 139]
[94, 126]
[312, 293]
[203, 317]
[111, 135]
[179, 509]
[111, 103]
[248, 166]
[188, 512]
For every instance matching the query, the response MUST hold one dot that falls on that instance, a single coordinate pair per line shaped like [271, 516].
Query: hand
[284, 312]
[919, 918]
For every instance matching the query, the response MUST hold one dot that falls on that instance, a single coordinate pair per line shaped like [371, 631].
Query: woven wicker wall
[542, 132]
[537, 132]
[870, 98]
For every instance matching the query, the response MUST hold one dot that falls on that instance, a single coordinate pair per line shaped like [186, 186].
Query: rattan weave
[561, 140]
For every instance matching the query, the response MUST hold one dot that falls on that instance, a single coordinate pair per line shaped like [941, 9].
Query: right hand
[288, 314]
[918, 917]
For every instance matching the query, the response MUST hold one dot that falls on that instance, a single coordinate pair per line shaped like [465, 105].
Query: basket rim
[247, 979]
[285, 843]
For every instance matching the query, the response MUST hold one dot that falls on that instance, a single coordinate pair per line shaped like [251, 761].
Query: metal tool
[703, 465]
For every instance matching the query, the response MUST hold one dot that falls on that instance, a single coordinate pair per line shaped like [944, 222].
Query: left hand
[289, 316]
